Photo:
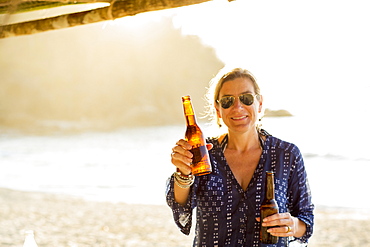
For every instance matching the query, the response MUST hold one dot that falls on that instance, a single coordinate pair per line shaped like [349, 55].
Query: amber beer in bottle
[194, 136]
[268, 207]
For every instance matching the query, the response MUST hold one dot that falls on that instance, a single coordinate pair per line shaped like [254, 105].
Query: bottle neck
[270, 188]
[189, 113]
[190, 120]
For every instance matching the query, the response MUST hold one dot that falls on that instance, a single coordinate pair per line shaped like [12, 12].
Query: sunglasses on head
[228, 101]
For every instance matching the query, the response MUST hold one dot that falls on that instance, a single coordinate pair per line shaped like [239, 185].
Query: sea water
[132, 165]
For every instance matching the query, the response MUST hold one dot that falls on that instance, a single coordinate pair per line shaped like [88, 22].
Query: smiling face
[239, 117]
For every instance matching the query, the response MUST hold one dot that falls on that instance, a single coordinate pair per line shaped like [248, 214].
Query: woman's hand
[181, 156]
[284, 225]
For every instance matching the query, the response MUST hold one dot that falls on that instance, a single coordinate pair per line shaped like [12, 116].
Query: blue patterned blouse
[226, 214]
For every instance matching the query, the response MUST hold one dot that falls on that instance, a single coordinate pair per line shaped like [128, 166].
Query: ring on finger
[289, 229]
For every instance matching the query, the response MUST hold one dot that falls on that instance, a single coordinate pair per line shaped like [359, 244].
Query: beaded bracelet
[182, 179]
[183, 175]
[183, 182]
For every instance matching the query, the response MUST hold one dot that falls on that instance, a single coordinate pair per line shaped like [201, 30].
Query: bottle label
[201, 164]
[197, 154]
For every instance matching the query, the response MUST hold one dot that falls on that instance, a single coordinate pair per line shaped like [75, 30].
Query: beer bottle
[268, 207]
[201, 164]
[30, 239]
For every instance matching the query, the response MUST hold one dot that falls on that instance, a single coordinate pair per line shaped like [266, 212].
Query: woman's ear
[260, 104]
[217, 110]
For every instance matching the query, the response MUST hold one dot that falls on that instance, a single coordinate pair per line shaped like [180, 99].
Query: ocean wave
[333, 156]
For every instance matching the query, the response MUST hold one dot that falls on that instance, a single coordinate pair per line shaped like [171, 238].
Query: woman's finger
[283, 224]
[181, 151]
[283, 231]
[177, 157]
[278, 219]
[184, 144]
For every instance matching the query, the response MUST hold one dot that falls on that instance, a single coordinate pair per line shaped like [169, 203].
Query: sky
[311, 55]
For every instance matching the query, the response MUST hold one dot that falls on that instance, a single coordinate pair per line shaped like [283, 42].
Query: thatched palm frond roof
[20, 6]
[115, 9]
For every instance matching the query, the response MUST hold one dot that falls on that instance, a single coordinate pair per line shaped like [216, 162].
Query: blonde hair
[218, 81]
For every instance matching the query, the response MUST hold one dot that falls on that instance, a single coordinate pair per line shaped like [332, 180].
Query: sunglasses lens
[227, 101]
[247, 99]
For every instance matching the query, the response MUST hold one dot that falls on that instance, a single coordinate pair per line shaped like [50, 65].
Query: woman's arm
[297, 221]
[181, 194]
[181, 157]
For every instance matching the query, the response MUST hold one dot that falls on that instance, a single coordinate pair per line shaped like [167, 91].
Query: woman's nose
[237, 103]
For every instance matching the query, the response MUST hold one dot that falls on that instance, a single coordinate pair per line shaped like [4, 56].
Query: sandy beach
[60, 220]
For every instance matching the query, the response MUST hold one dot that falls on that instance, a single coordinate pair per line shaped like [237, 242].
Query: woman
[228, 199]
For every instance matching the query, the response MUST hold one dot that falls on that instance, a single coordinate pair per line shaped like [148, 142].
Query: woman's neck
[243, 141]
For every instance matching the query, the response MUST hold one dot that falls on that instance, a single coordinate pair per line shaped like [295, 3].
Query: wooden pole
[117, 9]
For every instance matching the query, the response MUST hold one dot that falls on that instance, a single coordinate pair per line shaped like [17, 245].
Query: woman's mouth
[239, 118]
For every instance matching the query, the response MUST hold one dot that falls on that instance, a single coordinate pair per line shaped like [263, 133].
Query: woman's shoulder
[215, 144]
[281, 145]
[216, 139]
